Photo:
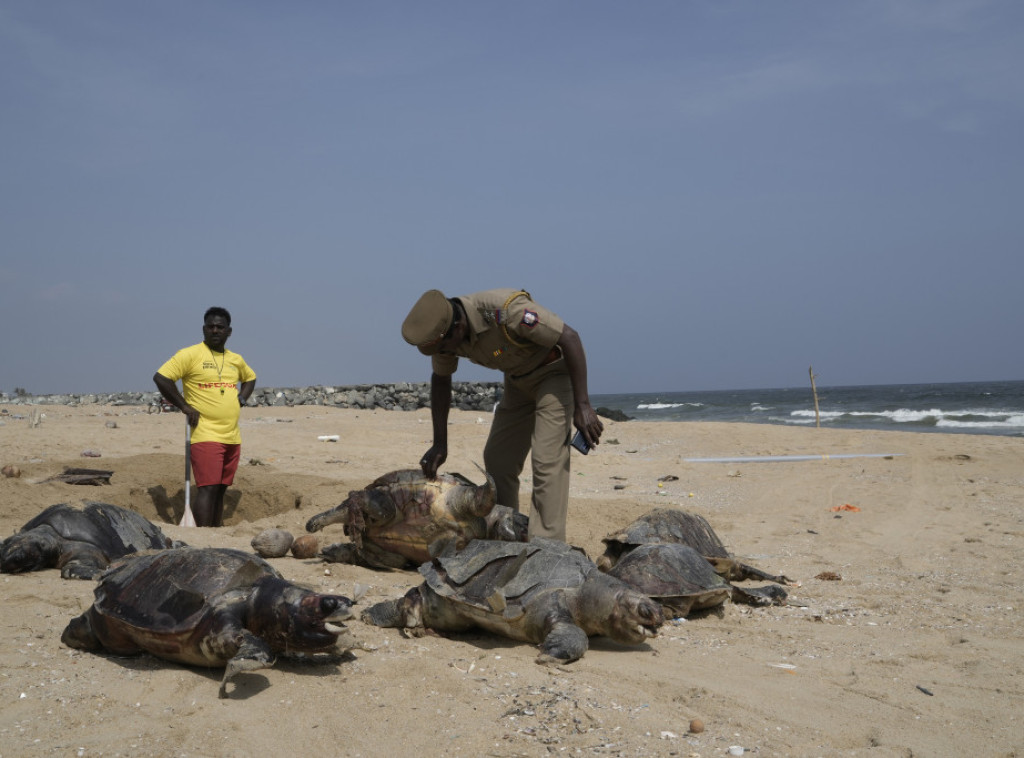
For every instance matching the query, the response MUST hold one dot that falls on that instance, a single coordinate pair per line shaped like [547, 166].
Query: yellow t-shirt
[210, 384]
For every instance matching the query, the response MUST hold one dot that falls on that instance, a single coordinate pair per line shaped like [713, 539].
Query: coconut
[272, 543]
[306, 546]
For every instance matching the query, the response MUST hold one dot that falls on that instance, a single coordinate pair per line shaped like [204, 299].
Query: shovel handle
[187, 519]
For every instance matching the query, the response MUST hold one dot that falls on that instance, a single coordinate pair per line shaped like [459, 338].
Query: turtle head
[290, 618]
[30, 551]
[612, 608]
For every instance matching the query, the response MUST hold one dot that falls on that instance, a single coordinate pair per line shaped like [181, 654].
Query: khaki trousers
[535, 414]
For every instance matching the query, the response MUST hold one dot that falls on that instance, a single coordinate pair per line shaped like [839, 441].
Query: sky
[715, 194]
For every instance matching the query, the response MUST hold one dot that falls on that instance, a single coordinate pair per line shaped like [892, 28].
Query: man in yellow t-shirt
[217, 383]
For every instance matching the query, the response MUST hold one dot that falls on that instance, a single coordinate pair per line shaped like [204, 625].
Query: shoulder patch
[496, 316]
[530, 319]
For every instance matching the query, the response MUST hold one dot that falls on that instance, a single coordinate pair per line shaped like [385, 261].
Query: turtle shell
[664, 526]
[136, 591]
[675, 575]
[403, 512]
[496, 576]
[68, 530]
[427, 510]
[115, 529]
[678, 527]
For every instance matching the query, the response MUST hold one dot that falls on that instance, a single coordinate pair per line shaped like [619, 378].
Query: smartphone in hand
[580, 443]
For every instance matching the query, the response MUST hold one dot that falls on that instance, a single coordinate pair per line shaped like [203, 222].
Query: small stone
[11, 471]
[696, 726]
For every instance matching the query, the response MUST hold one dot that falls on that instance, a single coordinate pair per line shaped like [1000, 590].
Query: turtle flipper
[405, 612]
[376, 557]
[368, 555]
[771, 594]
[253, 654]
[507, 525]
[81, 569]
[80, 560]
[340, 552]
[336, 515]
[734, 571]
[565, 643]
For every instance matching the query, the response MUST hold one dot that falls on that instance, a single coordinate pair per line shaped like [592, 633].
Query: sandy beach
[903, 638]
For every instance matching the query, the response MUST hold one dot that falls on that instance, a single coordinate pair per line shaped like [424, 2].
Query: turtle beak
[651, 618]
[335, 610]
[18, 555]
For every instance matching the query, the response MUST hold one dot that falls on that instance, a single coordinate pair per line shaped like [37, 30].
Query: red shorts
[214, 462]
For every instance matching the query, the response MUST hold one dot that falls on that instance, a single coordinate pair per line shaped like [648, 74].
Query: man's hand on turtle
[433, 460]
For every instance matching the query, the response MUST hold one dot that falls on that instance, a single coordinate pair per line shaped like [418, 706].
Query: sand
[913, 647]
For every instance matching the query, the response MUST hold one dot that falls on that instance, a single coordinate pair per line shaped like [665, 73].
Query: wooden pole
[814, 391]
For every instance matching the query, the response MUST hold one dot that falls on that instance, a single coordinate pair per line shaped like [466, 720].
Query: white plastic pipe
[774, 458]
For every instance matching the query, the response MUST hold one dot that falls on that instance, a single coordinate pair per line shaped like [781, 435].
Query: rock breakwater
[402, 396]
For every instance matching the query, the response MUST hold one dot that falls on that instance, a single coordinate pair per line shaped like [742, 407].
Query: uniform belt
[553, 355]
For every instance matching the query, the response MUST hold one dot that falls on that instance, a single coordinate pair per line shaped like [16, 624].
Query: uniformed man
[545, 391]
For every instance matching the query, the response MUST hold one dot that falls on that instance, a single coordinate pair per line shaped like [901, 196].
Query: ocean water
[962, 407]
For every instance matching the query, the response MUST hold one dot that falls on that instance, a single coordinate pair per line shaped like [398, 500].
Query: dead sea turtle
[211, 607]
[544, 592]
[393, 522]
[675, 526]
[80, 541]
[677, 576]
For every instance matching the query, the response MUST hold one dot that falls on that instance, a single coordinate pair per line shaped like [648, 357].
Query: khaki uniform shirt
[507, 331]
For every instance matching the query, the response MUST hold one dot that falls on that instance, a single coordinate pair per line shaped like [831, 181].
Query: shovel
[187, 518]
